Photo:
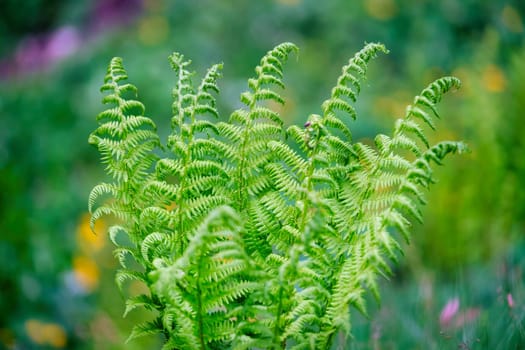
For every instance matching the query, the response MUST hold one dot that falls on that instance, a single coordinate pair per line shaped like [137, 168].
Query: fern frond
[145, 329]
[125, 139]
[98, 191]
[337, 104]
[155, 241]
[348, 84]
[247, 137]
[113, 231]
[428, 99]
[183, 94]
[207, 275]
[121, 254]
[331, 121]
[322, 149]
[199, 207]
[108, 210]
[288, 155]
[422, 173]
[269, 73]
[141, 300]
[406, 125]
[347, 291]
[124, 275]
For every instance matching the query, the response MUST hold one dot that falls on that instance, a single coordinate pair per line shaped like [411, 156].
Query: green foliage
[487, 317]
[250, 235]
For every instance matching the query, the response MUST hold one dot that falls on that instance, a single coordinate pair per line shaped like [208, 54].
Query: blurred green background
[461, 283]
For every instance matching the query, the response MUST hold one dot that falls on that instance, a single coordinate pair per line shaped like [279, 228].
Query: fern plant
[250, 235]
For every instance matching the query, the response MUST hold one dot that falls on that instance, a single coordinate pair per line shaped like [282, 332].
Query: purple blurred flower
[62, 43]
[28, 55]
[41, 50]
[449, 311]
[109, 13]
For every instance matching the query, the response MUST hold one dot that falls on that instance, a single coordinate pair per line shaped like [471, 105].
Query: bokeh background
[461, 282]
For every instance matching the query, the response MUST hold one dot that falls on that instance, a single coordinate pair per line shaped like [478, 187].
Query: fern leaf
[406, 204]
[149, 243]
[411, 126]
[107, 211]
[287, 154]
[114, 231]
[128, 275]
[336, 104]
[144, 329]
[98, 191]
[394, 219]
[141, 300]
[121, 253]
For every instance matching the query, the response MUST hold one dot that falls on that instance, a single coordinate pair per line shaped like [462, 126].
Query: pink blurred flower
[449, 311]
[510, 300]
[466, 317]
[450, 316]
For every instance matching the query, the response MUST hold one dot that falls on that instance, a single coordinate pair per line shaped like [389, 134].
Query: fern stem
[240, 171]
[180, 198]
[309, 185]
[186, 157]
[241, 191]
[199, 309]
[277, 327]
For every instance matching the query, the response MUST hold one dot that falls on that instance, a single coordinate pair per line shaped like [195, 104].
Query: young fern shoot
[251, 236]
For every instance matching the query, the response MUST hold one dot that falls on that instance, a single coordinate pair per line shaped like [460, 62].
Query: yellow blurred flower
[512, 19]
[390, 106]
[493, 78]
[88, 240]
[153, 30]
[287, 110]
[393, 105]
[86, 273]
[171, 206]
[381, 9]
[42, 333]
